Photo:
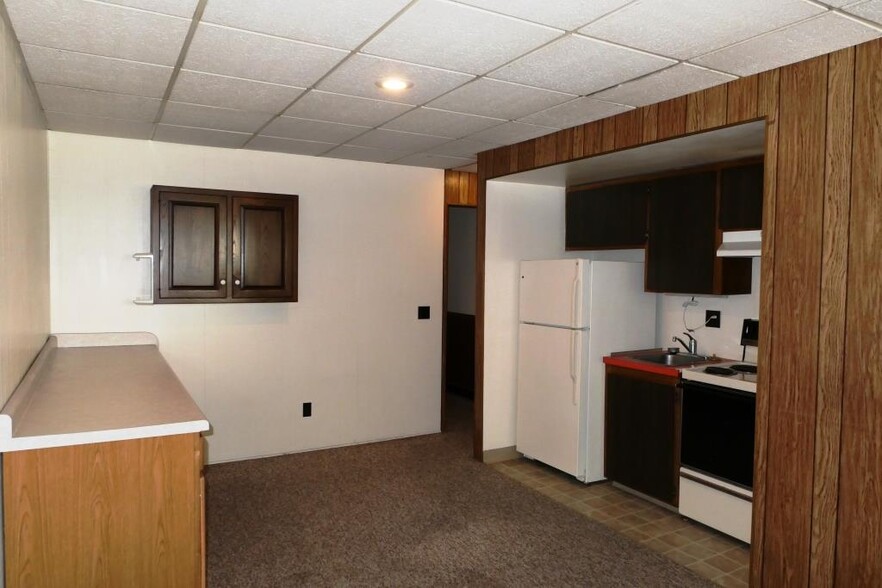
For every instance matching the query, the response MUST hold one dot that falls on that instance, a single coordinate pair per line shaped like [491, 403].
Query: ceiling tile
[686, 28]
[92, 103]
[563, 14]
[397, 140]
[192, 136]
[870, 10]
[461, 148]
[312, 130]
[579, 65]
[358, 76]
[93, 125]
[436, 161]
[457, 37]
[499, 99]
[251, 56]
[576, 112]
[184, 8]
[212, 90]
[262, 143]
[364, 153]
[99, 29]
[65, 68]
[678, 80]
[442, 123]
[336, 23]
[349, 110]
[799, 42]
[212, 117]
[509, 133]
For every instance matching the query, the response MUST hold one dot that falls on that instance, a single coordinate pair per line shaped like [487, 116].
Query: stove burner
[719, 371]
[744, 368]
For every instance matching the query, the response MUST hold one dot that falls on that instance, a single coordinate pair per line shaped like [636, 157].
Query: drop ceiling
[299, 76]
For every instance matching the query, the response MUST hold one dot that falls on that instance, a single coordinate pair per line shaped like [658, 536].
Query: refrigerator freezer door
[549, 396]
[555, 292]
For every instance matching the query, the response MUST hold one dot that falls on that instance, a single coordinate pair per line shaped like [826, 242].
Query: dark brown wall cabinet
[223, 246]
[608, 217]
[642, 445]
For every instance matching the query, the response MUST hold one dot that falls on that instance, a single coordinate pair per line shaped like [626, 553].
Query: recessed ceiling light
[394, 84]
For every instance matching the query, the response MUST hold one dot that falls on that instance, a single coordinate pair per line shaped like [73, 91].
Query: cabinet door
[741, 198]
[641, 448]
[265, 248]
[190, 237]
[609, 217]
[681, 250]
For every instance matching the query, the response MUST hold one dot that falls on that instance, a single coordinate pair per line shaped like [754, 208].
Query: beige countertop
[95, 388]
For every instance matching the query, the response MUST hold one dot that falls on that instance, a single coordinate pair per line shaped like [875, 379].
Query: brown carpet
[415, 512]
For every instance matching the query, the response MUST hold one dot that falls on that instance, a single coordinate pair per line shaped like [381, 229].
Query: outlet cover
[712, 319]
[423, 313]
[307, 409]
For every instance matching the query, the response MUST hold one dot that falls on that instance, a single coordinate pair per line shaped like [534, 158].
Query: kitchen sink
[673, 359]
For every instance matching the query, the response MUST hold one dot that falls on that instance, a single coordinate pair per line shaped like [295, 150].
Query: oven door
[717, 432]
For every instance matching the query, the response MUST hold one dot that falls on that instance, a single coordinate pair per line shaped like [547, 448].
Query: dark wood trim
[445, 250]
[480, 265]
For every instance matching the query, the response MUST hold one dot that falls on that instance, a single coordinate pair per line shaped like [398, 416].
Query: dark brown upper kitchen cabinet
[642, 440]
[223, 246]
[741, 198]
[607, 217]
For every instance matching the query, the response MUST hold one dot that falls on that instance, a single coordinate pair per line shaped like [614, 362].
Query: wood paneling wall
[818, 479]
[460, 188]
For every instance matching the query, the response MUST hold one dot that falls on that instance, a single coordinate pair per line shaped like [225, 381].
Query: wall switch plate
[307, 409]
[423, 313]
[712, 319]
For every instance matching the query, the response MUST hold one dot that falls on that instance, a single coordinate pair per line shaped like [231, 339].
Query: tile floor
[703, 550]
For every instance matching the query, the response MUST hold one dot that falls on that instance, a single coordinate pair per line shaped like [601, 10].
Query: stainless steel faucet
[691, 347]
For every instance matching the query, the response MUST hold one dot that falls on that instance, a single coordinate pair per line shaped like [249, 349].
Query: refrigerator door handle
[573, 362]
[574, 300]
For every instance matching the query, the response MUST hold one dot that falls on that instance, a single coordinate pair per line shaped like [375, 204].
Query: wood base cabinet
[642, 441]
[124, 513]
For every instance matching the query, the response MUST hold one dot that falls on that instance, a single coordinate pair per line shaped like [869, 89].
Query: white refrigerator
[572, 312]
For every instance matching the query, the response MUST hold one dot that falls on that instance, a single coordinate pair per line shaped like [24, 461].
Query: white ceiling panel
[184, 8]
[563, 14]
[579, 65]
[442, 123]
[335, 23]
[231, 52]
[805, 40]
[92, 103]
[498, 99]
[871, 10]
[397, 140]
[78, 70]
[457, 37]
[465, 148]
[280, 145]
[365, 154]
[99, 29]
[678, 80]
[349, 110]
[436, 161]
[576, 112]
[511, 132]
[312, 130]
[686, 28]
[93, 125]
[192, 136]
[212, 117]
[358, 76]
[213, 90]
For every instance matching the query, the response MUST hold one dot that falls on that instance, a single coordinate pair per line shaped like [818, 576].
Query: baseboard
[501, 454]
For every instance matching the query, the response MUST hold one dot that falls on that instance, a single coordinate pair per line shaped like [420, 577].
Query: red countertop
[631, 360]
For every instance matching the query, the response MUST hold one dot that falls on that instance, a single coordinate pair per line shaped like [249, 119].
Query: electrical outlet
[307, 409]
[712, 319]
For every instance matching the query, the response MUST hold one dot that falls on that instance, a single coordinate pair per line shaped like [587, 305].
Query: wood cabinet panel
[642, 433]
[741, 198]
[608, 217]
[124, 513]
[264, 243]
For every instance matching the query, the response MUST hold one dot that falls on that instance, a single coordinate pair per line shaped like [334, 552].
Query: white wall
[725, 341]
[370, 247]
[461, 241]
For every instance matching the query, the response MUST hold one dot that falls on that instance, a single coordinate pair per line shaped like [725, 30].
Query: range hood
[741, 244]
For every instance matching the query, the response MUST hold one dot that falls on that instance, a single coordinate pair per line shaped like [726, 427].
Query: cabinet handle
[223, 282]
[237, 282]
